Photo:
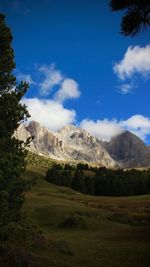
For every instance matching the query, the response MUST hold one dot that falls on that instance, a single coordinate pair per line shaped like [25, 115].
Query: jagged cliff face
[128, 150]
[71, 143]
[80, 145]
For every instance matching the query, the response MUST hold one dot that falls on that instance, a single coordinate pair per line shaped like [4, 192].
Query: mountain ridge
[73, 143]
[128, 150]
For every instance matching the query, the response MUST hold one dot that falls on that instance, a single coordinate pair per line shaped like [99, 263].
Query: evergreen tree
[81, 166]
[78, 182]
[12, 113]
[89, 185]
[52, 175]
[66, 178]
[137, 15]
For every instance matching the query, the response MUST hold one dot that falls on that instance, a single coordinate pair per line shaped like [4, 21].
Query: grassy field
[83, 230]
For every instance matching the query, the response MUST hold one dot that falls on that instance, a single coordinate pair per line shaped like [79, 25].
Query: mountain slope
[128, 150]
[71, 143]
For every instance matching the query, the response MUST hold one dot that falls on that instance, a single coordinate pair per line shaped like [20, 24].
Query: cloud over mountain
[103, 129]
[106, 129]
[137, 124]
[49, 110]
[49, 113]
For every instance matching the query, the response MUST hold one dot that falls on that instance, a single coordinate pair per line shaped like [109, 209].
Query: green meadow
[82, 230]
[65, 228]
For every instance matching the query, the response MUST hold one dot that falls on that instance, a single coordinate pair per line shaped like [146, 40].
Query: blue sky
[80, 69]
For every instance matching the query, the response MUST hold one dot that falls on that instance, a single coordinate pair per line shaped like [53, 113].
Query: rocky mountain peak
[68, 128]
[130, 136]
[72, 143]
[72, 130]
[33, 127]
[129, 150]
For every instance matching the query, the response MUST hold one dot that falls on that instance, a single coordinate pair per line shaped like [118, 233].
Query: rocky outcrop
[71, 143]
[80, 145]
[128, 150]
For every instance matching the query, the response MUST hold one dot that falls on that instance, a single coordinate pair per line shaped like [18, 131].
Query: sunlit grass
[105, 239]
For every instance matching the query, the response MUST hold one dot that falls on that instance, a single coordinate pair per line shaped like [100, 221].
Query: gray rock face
[128, 150]
[80, 145]
[71, 143]
[22, 133]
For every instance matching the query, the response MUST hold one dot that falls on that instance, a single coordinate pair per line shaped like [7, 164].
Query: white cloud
[106, 129]
[137, 124]
[125, 88]
[52, 77]
[49, 113]
[54, 116]
[26, 78]
[136, 61]
[103, 129]
[69, 89]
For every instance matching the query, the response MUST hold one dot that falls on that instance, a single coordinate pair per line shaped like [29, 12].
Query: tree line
[103, 181]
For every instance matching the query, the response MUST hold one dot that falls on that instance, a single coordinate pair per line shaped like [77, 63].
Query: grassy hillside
[65, 228]
[81, 230]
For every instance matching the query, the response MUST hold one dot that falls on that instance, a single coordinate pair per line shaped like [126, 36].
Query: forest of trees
[101, 181]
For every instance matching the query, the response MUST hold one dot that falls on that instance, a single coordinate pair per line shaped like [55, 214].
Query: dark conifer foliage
[103, 182]
[78, 181]
[137, 15]
[12, 113]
